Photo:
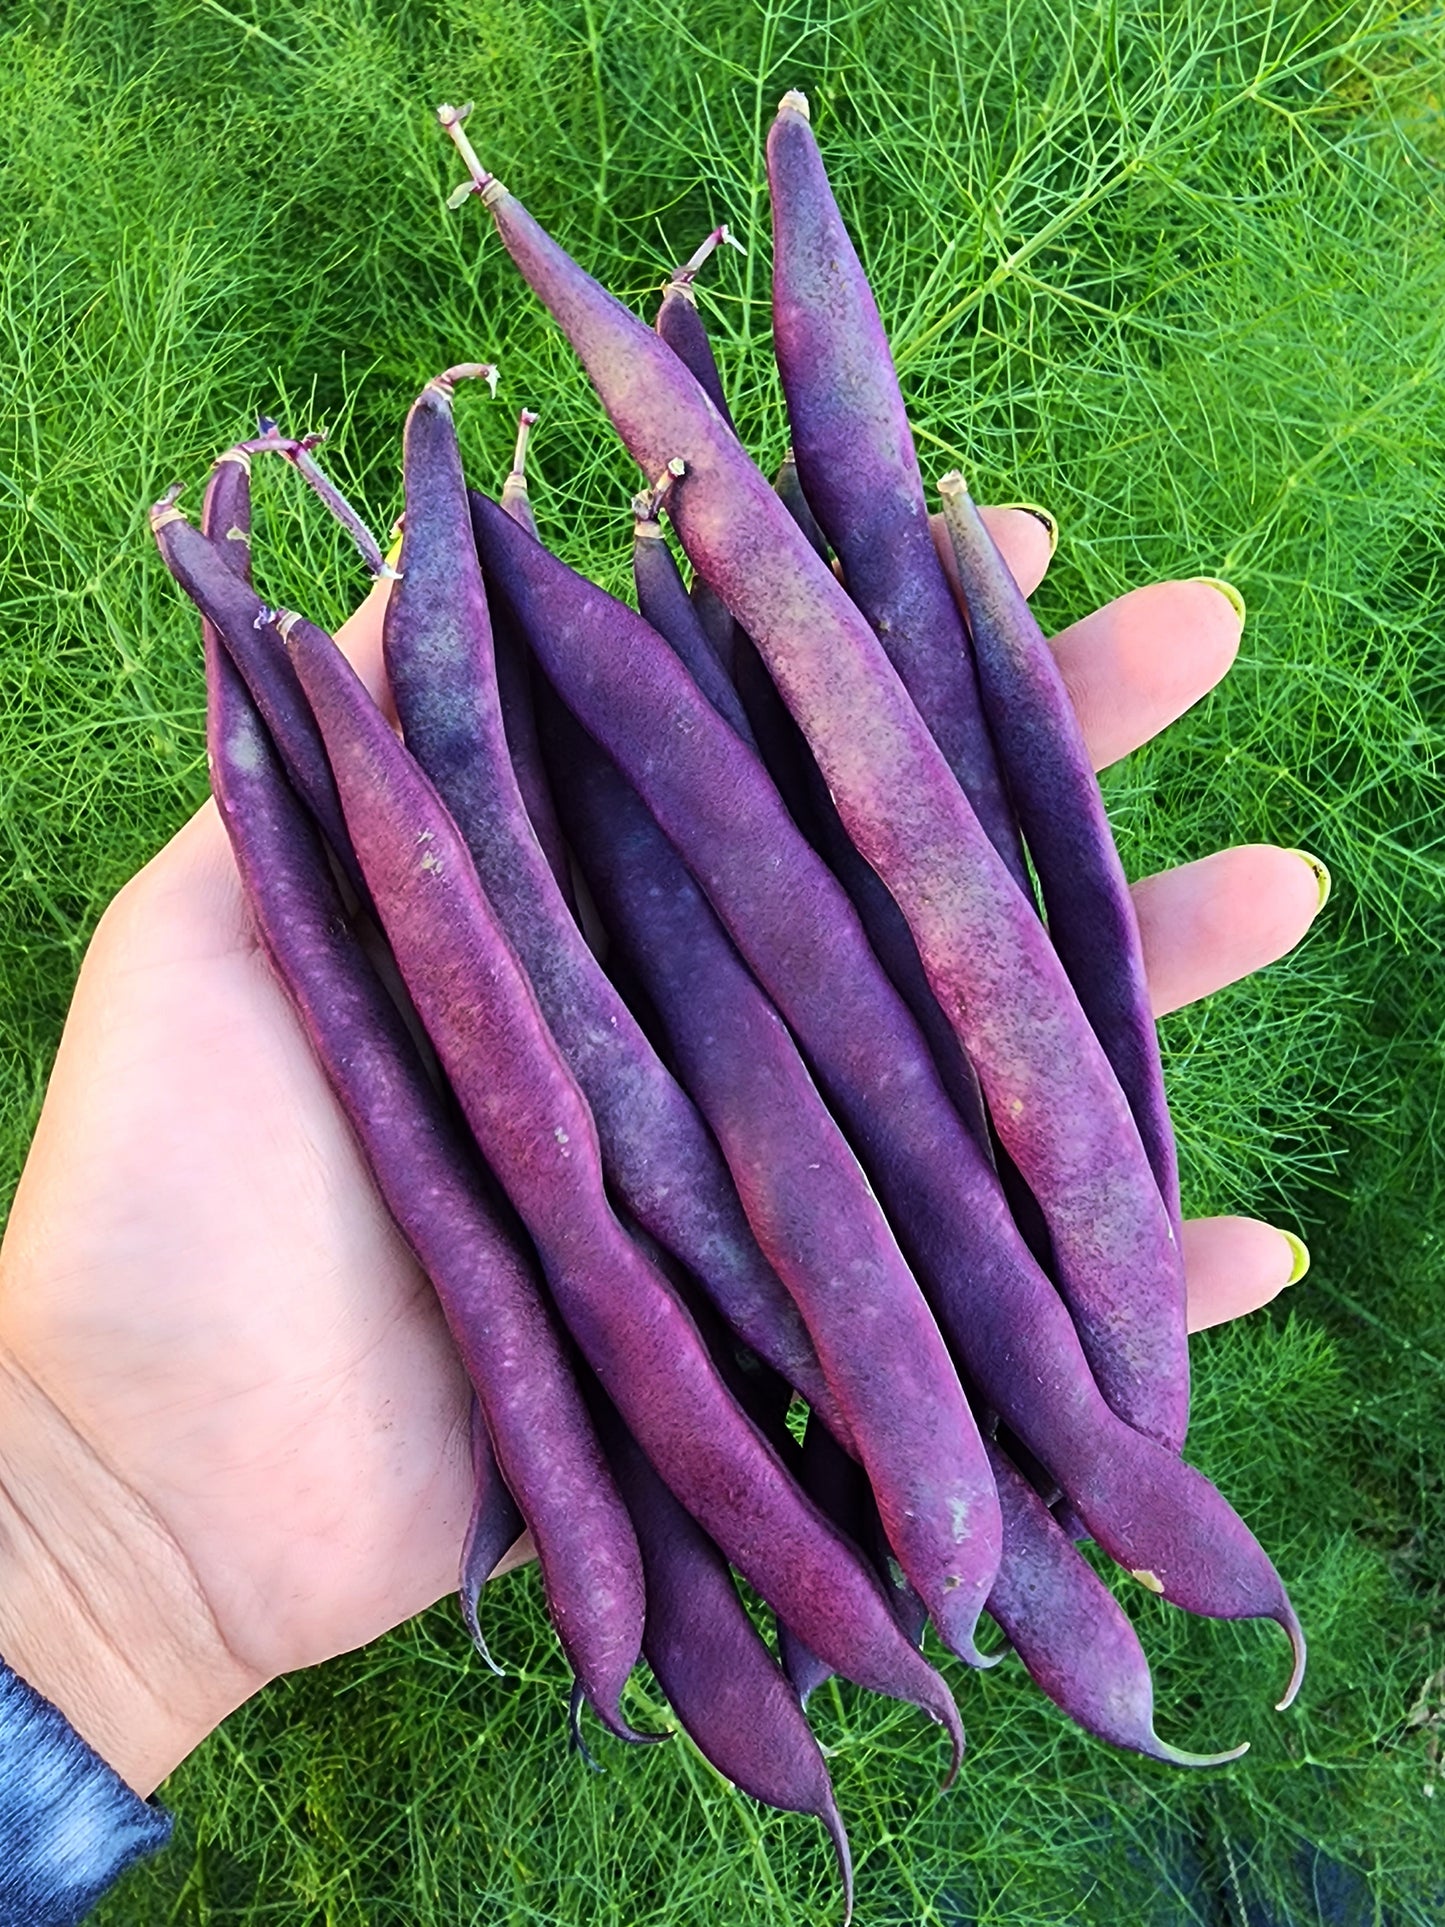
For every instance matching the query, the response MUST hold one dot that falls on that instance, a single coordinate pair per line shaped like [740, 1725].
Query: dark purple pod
[225, 599]
[226, 521]
[859, 470]
[546, 1447]
[801, 938]
[1052, 1096]
[1086, 894]
[494, 1528]
[657, 1151]
[839, 1486]
[719, 1677]
[805, 1195]
[790, 493]
[663, 600]
[1069, 1630]
[885, 923]
[781, 744]
[532, 1125]
[514, 688]
[680, 325]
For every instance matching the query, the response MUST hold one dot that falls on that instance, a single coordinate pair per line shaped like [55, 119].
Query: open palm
[200, 1281]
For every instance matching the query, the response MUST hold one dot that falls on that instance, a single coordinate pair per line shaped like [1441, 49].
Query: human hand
[233, 1429]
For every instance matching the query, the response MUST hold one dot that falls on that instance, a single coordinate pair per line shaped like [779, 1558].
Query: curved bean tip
[980, 1661]
[469, 1597]
[612, 1718]
[833, 1822]
[575, 1740]
[794, 102]
[1176, 1756]
[1289, 1619]
[953, 1726]
[237, 454]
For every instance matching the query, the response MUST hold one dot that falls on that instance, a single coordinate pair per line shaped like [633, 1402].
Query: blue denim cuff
[69, 1825]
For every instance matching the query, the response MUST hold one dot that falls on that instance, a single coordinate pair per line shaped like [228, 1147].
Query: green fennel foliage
[1174, 270]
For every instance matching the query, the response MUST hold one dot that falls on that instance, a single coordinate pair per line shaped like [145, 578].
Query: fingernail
[1321, 874]
[1299, 1257]
[1051, 527]
[1227, 590]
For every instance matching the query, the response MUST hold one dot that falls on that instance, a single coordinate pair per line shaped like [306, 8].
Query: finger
[1232, 1266]
[1206, 924]
[1143, 659]
[1025, 538]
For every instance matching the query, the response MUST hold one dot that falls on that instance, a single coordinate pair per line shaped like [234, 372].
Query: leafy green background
[1175, 271]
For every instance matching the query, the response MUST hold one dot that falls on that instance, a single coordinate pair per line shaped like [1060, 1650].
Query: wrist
[99, 1609]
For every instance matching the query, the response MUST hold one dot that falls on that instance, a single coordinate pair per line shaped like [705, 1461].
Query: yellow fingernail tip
[1227, 590]
[1051, 526]
[1321, 874]
[1300, 1252]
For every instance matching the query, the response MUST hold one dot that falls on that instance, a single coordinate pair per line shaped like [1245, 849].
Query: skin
[233, 1430]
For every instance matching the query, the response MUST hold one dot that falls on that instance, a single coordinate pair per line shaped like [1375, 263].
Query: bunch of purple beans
[847, 1119]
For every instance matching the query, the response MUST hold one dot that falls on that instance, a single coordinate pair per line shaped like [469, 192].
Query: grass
[1172, 270]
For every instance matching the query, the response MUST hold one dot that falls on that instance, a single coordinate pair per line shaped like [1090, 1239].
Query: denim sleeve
[69, 1826]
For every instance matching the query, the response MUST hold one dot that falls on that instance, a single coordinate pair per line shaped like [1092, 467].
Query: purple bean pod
[837, 1484]
[226, 521]
[789, 488]
[226, 600]
[532, 1125]
[859, 469]
[798, 933]
[516, 700]
[680, 325]
[656, 1150]
[495, 1526]
[719, 1678]
[1071, 1633]
[663, 600]
[885, 923]
[1054, 788]
[804, 1193]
